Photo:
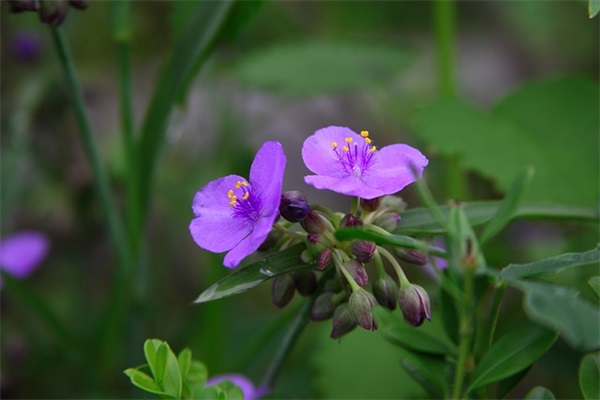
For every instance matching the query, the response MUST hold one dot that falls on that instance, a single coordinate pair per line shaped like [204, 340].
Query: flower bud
[363, 250]
[350, 221]
[282, 290]
[343, 322]
[411, 256]
[388, 221]
[414, 303]
[323, 307]
[324, 258]
[370, 205]
[53, 12]
[394, 202]
[294, 206]
[305, 281]
[79, 4]
[313, 223]
[361, 305]
[385, 291]
[307, 257]
[17, 6]
[358, 271]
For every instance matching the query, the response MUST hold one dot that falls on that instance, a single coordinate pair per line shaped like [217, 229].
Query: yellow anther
[238, 184]
[244, 183]
[373, 148]
[348, 140]
[367, 140]
[232, 203]
[230, 193]
[346, 148]
[334, 145]
[364, 134]
[245, 196]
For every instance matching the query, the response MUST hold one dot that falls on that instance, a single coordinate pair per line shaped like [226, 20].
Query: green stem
[494, 313]
[444, 22]
[466, 335]
[402, 279]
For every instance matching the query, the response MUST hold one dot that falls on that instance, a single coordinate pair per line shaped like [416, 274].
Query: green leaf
[381, 239]
[160, 363]
[172, 382]
[195, 380]
[512, 353]
[508, 206]
[254, 274]
[594, 283]
[589, 376]
[551, 265]
[144, 381]
[184, 359]
[560, 308]
[427, 370]
[318, 66]
[233, 391]
[593, 8]
[164, 366]
[211, 393]
[539, 393]
[150, 348]
[508, 384]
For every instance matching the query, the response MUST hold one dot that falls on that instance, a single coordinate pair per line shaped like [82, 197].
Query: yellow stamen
[364, 134]
[367, 140]
[348, 140]
[232, 203]
[334, 145]
[245, 196]
[230, 193]
[373, 148]
[238, 184]
[244, 183]
[346, 148]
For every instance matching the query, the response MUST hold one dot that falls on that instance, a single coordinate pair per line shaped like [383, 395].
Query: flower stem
[466, 333]
[399, 271]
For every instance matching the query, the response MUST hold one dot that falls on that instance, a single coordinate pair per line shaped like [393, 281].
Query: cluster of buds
[346, 293]
[51, 12]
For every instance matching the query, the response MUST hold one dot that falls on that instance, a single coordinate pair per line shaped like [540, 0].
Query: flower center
[355, 158]
[244, 203]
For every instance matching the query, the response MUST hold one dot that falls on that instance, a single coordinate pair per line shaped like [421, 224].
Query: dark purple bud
[282, 290]
[79, 4]
[324, 258]
[411, 256]
[343, 322]
[385, 291]
[363, 250]
[53, 12]
[370, 205]
[305, 282]
[17, 6]
[323, 307]
[313, 223]
[414, 303]
[388, 221]
[358, 271]
[350, 221]
[294, 206]
[361, 305]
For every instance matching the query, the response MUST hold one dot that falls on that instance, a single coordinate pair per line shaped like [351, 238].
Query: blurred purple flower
[22, 252]
[250, 391]
[234, 215]
[26, 46]
[348, 163]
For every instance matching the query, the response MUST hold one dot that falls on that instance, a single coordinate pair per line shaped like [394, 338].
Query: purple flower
[250, 392]
[235, 215]
[22, 252]
[348, 163]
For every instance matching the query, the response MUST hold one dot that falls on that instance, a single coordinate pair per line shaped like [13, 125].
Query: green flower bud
[358, 271]
[388, 221]
[361, 305]
[294, 206]
[414, 303]
[53, 12]
[343, 322]
[363, 250]
[394, 202]
[323, 307]
[313, 223]
[350, 221]
[411, 256]
[305, 282]
[370, 205]
[385, 291]
[282, 290]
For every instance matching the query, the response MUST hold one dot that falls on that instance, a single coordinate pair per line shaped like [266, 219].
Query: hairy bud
[358, 271]
[385, 291]
[323, 307]
[414, 303]
[363, 250]
[282, 290]
[388, 221]
[305, 282]
[411, 256]
[370, 205]
[343, 322]
[313, 223]
[361, 305]
[294, 206]
[350, 221]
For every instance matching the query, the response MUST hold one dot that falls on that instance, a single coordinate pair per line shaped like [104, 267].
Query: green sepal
[589, 376]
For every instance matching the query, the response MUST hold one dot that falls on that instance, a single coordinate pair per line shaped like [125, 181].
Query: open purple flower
[348, 163]
[22, 252]
[250, 391]
[235, 215]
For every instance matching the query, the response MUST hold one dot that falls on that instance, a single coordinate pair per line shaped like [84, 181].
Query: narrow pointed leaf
[184, 359]
[594, 283]
[508, 206]
[254, 274]
[593, 8]
[539, 393]
[552, 264]
[589, 376]
[150, 347]
[512, 353]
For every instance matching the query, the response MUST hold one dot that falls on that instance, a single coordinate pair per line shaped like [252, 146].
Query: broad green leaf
[233, 391]
[195, 380]
[318, 66]
[254, 274]
[512, 353]
[539, 393]
[160, 363]
[427, 370]
[144, 382]
[150, 348]
[424, 339]
[171, 382]
[420, 220]
[211, 393]
[560, 308]
[508, 206]
[589, 376]
[184, 359]
[594, 283]
[551, 265]
[593, 8]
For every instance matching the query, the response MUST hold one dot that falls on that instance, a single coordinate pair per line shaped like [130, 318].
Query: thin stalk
[392, 260]
[495, 313]
[466, 336]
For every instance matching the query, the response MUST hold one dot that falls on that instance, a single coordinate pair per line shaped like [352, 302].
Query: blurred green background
[526, 94]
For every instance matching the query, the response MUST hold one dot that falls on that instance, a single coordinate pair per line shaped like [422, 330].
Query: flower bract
[349, 163]
[234, 214]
